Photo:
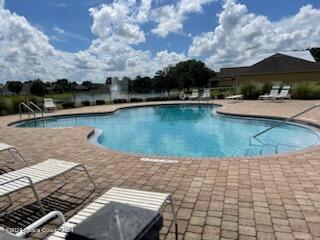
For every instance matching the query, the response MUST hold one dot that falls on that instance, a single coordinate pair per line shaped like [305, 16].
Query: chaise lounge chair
[5, 147]
[28, 177]
[274, 92]
[234, 98]
[182, 95]
[143, 199]
[194, 95]
[48, 105]
[283, 95]
[206, 94]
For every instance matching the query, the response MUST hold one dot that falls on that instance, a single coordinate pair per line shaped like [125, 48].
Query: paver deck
[269, 197]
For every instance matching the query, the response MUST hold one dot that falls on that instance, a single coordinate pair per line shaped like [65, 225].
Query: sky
[94, 39]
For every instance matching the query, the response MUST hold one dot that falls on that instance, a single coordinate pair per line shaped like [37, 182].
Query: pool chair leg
[6, 207]
[36, 196]
[174, 217]
[88, 175]
[19, 154]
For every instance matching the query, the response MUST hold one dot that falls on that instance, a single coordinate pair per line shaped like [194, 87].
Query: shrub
[135, 100]
[36, 100]
[250, 90]
[120, 100]
[3, 106]
[85, 103]
[220, 96]
[174, 98]
[315, 93]
[266, 88]
[306, 90]
[215, 94]
[68, 105]
[100, 102]
[15, 101]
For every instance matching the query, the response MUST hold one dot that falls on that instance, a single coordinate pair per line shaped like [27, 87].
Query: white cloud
[59, 30]
[168, 21]
[170, 18]
[120, 20]
[144, 10]
[122, 59]
[61, 5]
[189, 6]
[64, 34]
[241, 35]
[26, 53]
[22, 46]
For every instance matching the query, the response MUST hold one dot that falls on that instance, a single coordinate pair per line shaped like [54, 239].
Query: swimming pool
[186, 131]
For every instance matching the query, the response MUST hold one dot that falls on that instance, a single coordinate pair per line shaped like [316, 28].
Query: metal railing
[262, 145]
[37, 108]
[30, 110]
[255, 137]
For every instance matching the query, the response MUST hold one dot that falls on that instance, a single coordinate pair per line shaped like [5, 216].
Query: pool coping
[13, 124]
[185, 158]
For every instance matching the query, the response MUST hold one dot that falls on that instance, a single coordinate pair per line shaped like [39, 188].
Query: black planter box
[6, 236]
[118, 221]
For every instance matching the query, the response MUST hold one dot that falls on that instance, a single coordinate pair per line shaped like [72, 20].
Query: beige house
[284, 67]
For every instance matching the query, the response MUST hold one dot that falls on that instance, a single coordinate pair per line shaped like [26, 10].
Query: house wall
[285, 77]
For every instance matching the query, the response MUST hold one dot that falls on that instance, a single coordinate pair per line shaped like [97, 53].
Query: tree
[38, 88]
[142, 84]
[73, 86]
[15, 86]
[87, 84]
[165, 80]
[64, 84]
[192, 73]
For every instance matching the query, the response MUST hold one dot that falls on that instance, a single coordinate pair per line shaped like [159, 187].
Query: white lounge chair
[30, 176]
[48, 105]
[206, 94]
[46, 218]
[283, 95]
[234, 98]
[148, 200]
[12, 150]
[274, 92]
[194, 95]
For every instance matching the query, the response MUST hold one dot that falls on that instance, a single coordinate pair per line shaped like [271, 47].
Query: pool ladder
[32, 109]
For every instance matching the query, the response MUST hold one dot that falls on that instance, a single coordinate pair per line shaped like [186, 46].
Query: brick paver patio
[270, 197]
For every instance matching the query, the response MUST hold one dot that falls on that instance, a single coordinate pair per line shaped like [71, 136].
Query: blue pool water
[186, 130]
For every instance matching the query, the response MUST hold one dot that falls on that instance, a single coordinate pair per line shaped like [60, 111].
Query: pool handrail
[281, 123]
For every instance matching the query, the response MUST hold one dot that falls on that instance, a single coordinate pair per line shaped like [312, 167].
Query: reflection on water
[180, 113]
[107, 97]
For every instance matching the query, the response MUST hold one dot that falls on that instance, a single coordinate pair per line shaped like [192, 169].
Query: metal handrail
[30, 110]
[37, 107]
[281, 123]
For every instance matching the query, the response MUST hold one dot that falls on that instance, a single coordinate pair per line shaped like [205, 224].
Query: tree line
[183, 75]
